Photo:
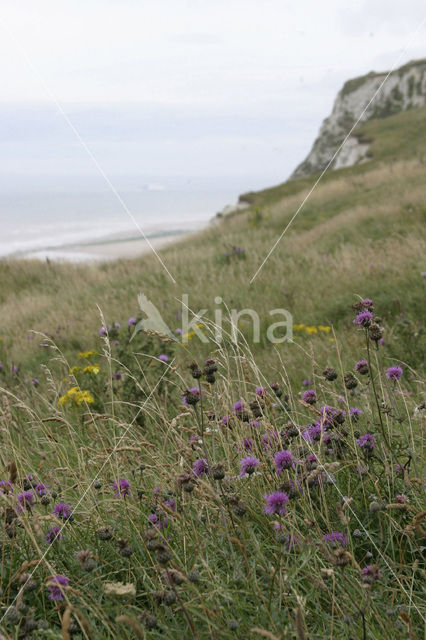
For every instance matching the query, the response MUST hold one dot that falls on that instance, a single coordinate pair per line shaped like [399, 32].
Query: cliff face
[404, 89]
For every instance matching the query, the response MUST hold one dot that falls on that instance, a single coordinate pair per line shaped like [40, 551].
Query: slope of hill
[361, 224]
[404, 89]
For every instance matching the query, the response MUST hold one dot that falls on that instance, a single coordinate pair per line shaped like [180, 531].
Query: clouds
[175, 83]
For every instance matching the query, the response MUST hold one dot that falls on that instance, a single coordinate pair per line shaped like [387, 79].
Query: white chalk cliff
[405, 88]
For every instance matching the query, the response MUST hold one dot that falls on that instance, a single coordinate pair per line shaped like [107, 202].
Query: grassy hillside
[148, 493]
[362, 227]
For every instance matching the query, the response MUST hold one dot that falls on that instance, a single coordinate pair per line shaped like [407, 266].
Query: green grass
[238, 576]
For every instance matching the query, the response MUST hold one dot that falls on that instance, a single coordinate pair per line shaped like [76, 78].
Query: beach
[114, 247]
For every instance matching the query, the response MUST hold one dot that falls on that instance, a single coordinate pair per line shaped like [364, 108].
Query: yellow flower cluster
[91, 368]
[311, 329]
[188, 336]
[84, 355]
[75, 396]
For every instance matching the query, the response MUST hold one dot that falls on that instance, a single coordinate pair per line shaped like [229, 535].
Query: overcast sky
[211, 88]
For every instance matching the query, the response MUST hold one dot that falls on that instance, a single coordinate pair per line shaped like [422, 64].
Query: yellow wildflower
[92, 368]
[84, 355]
[74, 370]
[76, 396]
[323, 328]
[298, 327]
[310, 330]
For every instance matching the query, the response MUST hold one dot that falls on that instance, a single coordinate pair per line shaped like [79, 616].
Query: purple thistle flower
[117, 375]
[53, 535]
[170, 503]
[238, 406]
[225, 420]
[269, 439]
[191, 396]
[309, 396]
[121, 488]
[6, 486]
[402, 498]
[283, 460]
[310, 461]
[260, 391]
[366, 442]
[26, 501]
[131, 321]
[63, 511]
[364, 319]
[35, 382]
[313, 432]
[306, 382]
[394, 373]
[103, 330]
[200, 467]
[56, 586]
[248, 465]
[370, 574]
[355, 413]
[336, 538]
[247, 444]
[41, 489]
[361, 367]
[368, 304]
[276, 502]
[254, 423]
[117, 325]
[163, 357]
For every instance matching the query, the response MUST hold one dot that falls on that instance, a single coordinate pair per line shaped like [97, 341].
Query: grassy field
[242, 508]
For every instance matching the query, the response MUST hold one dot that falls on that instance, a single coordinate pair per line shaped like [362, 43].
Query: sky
[214, 90]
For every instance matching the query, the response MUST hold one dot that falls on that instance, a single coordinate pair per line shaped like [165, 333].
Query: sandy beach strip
[118, 246]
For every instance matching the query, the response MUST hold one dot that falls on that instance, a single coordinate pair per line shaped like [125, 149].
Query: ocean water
[41, 219]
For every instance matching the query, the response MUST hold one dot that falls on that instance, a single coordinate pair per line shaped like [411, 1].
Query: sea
[40, 220]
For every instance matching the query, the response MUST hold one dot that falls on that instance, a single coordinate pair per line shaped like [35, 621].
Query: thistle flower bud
[163, 555]
[375, 332]
[176, 577]
[350, 381]
[210, 366]
[276, 389]
[194, 576]
[329, 374]
[256, 408]
[169, 598]
[218, 471]
[151, 622]
[341, 557]
[104, 533]
[240, 508]
[27, 582]
[12, 615]
[375, 507]
[195, 371]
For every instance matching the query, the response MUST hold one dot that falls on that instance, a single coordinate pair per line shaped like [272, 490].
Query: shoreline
[107, 248]
[120, 245]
